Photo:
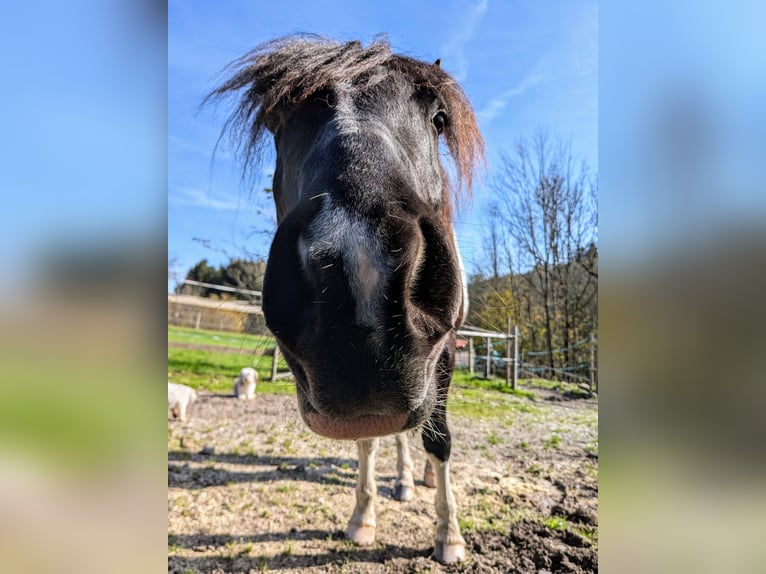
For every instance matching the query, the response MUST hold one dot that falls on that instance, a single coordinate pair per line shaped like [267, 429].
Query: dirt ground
[250, 489]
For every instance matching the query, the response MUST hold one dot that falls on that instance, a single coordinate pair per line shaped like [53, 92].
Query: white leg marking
[449, 545]
[404, 489]
[429, 478]
[361, 527]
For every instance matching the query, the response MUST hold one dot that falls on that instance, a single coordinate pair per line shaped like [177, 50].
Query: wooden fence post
[592, 385]
[515, 377]
[471, 356]
[508, 357]
[486, 365]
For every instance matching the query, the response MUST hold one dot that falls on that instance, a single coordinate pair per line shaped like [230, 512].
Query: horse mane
[289, 70]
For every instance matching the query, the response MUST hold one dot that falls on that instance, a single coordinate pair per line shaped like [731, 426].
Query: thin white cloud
[583, 53]
[199, 198]
[454, 50]
[496, 105]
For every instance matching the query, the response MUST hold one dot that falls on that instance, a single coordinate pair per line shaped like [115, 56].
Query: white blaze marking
[337, 234]
[366, 277]
[345, 113]
[303, 254]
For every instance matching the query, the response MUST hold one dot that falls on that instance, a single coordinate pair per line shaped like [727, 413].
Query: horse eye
[439, 121]
[328, 97]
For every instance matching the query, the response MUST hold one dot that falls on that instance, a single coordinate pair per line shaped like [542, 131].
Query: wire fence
[486, 358]
[246, 316]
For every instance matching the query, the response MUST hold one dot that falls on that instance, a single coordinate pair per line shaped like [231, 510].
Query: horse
[364, 287]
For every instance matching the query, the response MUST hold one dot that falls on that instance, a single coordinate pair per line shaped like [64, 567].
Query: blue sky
[524, 65]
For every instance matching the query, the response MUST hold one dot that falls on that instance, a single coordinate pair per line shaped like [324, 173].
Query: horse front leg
[404, 489]
[449, 544]
[361, 527]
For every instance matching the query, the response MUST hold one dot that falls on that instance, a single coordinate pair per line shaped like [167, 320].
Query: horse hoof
[362, 535]
[404, 492]
[429, 479]
[449, 553]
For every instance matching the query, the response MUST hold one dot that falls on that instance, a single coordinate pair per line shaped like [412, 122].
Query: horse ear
[438, 63]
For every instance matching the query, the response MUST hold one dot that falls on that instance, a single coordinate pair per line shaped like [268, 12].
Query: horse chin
[367, 426]
[363, 426]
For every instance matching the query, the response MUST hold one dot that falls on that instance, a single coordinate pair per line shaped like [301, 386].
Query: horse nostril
[435, 290]
[287, 293]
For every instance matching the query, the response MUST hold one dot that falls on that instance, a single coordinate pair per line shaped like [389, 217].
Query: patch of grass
[288, 446]
[589, 469]
[556, 523]
[486, 513]
[554, 441]
[466, 379]
[493, 439]
[219, 338]
[214, 370]
[475, 403]
[542, 383]
[247, 548]
[230, 548]
[325, 512]
[481, 403]
[528, 409]
[570, 389]
[284, 488]
[589, 533]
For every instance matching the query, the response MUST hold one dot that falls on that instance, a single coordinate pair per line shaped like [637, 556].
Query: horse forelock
[282, 74]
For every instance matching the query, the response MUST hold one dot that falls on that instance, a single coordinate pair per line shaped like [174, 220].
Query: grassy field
[214, 371]
[219, 338]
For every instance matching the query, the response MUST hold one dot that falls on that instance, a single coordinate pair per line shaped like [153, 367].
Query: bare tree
[492, 243]
[544, 202]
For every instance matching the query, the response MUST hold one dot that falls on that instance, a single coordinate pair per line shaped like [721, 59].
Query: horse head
[363, 287]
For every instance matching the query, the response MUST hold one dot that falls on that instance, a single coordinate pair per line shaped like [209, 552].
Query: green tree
[244, 274]
[238, 273]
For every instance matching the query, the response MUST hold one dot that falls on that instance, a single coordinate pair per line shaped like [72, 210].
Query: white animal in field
[244, 385]
[179, 399]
